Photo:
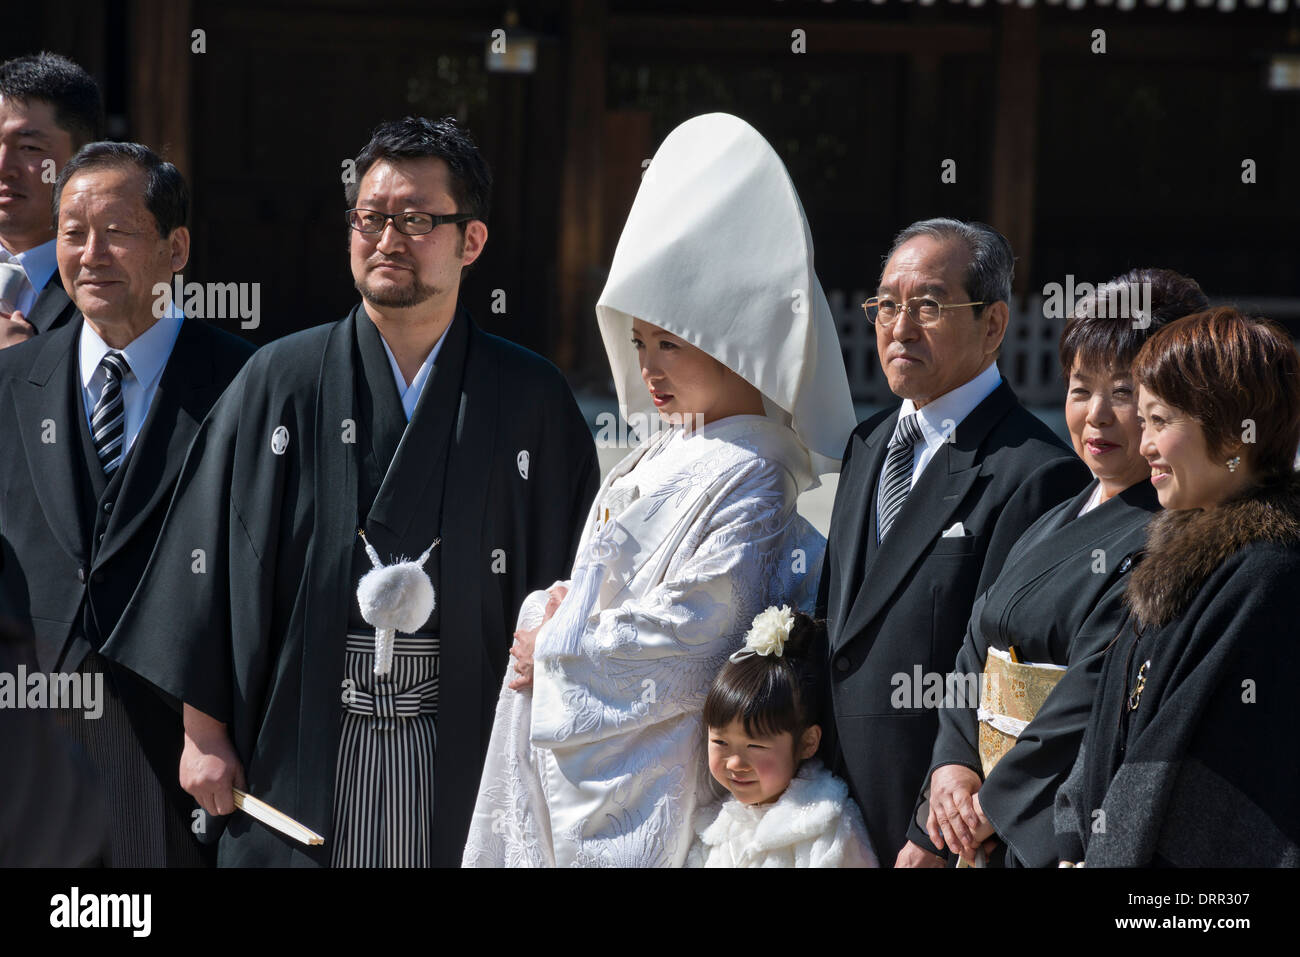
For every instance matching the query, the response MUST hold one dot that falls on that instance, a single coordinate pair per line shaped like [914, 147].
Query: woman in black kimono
[1054, 607]
[1188, 759]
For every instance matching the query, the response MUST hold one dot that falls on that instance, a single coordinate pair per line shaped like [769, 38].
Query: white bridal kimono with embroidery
[603, 763]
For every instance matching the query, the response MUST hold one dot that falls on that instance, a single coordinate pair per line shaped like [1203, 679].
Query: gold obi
[1011, 692]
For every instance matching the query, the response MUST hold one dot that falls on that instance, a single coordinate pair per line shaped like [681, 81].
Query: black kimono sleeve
[203, 603]
[1045, 487]
[1017, 797]
[565, 482]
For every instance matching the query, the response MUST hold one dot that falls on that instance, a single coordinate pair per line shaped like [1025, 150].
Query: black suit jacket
[71, 553]
[897, 611]
[52, 307]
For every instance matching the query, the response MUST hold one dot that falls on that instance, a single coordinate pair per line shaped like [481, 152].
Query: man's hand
[526, 642]
[14, 328]
[210, 769]
[953, 820]
[984, 833]
[914, 855]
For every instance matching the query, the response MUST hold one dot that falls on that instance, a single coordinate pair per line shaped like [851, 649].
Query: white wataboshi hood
[717, 250]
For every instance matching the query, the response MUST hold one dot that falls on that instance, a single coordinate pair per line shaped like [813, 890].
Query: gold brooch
[1136, 694]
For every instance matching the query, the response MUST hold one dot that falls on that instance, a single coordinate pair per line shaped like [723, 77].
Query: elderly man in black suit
[931, 497]
[49, 109]
[98, 415]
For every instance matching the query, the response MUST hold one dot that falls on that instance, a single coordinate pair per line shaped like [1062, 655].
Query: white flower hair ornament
[768, 634]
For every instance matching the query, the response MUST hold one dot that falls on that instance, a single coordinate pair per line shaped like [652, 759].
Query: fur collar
[1183, 548]
[811, 806]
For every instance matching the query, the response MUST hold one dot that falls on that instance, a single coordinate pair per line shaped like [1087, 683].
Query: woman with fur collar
[785, 809]
[1188, 759]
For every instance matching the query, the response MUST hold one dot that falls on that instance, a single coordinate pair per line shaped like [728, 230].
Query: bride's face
[685, 382]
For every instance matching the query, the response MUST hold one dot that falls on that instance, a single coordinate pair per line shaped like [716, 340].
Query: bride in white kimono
[714, 318]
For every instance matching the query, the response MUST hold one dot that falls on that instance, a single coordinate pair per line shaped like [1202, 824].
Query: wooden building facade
[1096, 136]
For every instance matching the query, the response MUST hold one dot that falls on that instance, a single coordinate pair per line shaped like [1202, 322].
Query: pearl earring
[1233, 463]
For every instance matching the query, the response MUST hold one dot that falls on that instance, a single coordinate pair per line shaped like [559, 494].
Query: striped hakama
[383, 789]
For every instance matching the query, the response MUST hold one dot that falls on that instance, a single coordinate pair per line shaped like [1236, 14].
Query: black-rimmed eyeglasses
[371, 221]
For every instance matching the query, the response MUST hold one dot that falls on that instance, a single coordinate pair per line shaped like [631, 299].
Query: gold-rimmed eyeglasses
[885, 310]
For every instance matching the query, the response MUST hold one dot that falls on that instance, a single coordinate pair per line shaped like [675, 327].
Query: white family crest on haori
[393, 598]
[691, 535]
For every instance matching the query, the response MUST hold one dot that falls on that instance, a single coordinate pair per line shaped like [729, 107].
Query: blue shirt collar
[40, 263]
[410, 394]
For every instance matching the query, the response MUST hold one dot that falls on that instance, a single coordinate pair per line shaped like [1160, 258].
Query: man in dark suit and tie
[931, 497]
[98, 415]
[49, 109]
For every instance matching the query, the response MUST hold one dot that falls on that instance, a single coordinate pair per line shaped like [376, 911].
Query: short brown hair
[1223, 368]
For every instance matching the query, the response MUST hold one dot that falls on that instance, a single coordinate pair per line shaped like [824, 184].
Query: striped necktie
[896, 478]
[108, 422]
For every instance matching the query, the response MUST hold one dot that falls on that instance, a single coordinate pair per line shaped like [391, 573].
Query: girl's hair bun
[803, 635]
[775, 690]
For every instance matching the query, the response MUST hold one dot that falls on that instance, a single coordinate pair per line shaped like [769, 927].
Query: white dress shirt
[939, 419]
[39, 263]
[147, 355]
[410, 394]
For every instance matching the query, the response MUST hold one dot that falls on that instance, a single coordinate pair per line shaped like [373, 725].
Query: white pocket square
[958, 530]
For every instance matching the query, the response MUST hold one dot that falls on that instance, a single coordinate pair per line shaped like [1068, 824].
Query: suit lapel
[927, 512]
[50, 305]
[856, 520]
[185, 393]
[49, 407]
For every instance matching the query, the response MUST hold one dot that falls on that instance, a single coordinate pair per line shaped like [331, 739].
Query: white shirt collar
[939, 417]
[410, 394]
[146, 354]
[1094, 500]
[39, 263]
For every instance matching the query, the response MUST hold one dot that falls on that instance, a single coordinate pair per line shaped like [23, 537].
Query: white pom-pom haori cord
[393, 598]
[768, 634]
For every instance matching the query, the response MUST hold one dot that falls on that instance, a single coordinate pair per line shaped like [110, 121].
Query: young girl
[785, 809]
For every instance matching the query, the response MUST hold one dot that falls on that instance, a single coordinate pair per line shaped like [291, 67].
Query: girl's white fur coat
[813, 824]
